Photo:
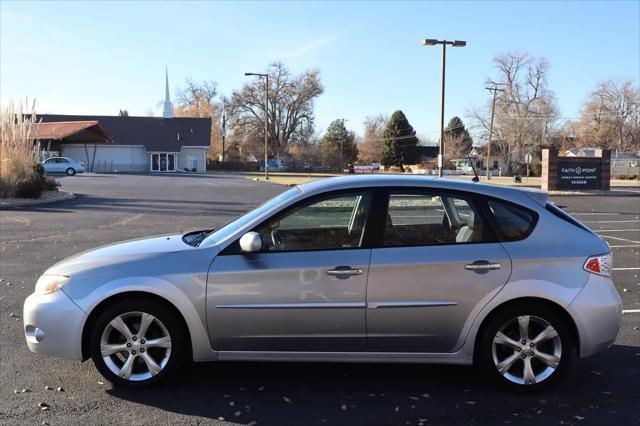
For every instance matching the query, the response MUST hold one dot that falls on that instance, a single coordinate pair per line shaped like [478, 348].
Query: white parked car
[65, 165]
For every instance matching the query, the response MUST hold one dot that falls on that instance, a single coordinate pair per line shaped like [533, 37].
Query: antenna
[475, 177]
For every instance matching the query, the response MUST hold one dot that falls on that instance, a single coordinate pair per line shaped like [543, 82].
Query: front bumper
[597, 312]
[53, 325]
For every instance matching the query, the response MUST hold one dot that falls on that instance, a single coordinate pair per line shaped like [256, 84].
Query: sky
[100, 57]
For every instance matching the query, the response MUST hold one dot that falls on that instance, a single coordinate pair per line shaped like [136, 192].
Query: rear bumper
[597, 312]
[53, 325]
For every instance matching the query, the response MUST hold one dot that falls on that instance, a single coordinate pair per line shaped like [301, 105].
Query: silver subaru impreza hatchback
[360, 269]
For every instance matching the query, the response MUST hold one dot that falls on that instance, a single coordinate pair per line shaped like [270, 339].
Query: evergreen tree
[400, 142]
[336, 139]
[458, 142]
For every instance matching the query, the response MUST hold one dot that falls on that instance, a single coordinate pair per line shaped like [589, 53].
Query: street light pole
[441, 148]
[444, 43]
[266, 121]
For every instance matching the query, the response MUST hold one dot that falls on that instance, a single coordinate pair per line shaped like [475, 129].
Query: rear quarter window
[513, 223]
[557, 211]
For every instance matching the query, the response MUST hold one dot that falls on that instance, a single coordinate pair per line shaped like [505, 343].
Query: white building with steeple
[167, 111]
[133, 144]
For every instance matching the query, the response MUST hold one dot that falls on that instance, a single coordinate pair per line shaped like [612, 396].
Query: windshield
[233, 226]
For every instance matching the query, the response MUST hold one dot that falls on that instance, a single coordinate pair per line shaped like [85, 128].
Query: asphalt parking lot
[110, 208]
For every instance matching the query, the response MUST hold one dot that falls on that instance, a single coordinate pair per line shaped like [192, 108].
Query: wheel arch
[128, 295]
[529, 301]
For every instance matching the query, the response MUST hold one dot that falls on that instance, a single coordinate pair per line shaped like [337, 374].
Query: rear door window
[422, 218]
[513, 223]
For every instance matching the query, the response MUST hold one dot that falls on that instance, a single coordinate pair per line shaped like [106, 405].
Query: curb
[63, 196]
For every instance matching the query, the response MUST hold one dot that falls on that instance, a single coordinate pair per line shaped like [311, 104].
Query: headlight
[49, 283]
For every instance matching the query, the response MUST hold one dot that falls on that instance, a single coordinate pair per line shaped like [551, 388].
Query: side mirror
[251, 242]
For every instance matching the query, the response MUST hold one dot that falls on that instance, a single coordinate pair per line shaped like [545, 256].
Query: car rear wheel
[70, 171]
[136, 343]
[525, 348]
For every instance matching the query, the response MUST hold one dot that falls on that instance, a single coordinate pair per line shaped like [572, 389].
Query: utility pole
[224, 132]
[494, 91]
[444, 43]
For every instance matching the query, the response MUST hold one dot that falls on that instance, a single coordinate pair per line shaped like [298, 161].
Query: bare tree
[199, 99]
[611, 117]
[370, 150]
[525, 110]
[198, 95]
[291, 103]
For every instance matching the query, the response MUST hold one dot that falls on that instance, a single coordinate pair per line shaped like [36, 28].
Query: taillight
[600, 265]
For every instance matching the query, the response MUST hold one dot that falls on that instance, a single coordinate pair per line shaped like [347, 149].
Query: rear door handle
[482, 265]
[343, 271]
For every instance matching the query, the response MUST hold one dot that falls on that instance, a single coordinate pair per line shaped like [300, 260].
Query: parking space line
[617, 230]
[621, 239]
[631, 311]
[626, 246]
[611, 221]
[594, 213]
[626, 269]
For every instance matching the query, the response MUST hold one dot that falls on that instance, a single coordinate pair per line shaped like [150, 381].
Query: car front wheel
[70, 172]
[136, 343]
[525, 348]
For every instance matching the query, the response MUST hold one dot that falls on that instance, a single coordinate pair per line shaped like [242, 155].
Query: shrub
[242, 166]
[51, 184]
[29, 187]
[18, 152]
[536, 169]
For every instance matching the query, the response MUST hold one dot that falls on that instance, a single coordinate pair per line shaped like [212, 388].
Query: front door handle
[343, 271]
[482, 265]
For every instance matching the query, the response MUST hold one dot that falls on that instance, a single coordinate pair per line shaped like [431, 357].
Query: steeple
[168, 108]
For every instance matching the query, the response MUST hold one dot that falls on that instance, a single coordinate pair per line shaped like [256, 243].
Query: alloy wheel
[526, 350]
[135, 346]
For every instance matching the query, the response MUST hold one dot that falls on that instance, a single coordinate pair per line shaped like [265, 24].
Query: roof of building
[72, 131]
[624, 156]
[429, 151]
[155, 133]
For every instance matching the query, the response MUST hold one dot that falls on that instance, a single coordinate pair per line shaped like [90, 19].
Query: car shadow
[169, 207]
[322, 393]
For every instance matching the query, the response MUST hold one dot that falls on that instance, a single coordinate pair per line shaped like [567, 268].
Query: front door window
[330, 223]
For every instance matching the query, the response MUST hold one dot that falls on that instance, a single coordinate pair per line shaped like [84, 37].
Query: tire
[504, 358]
[70, 171]
[132, 361]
